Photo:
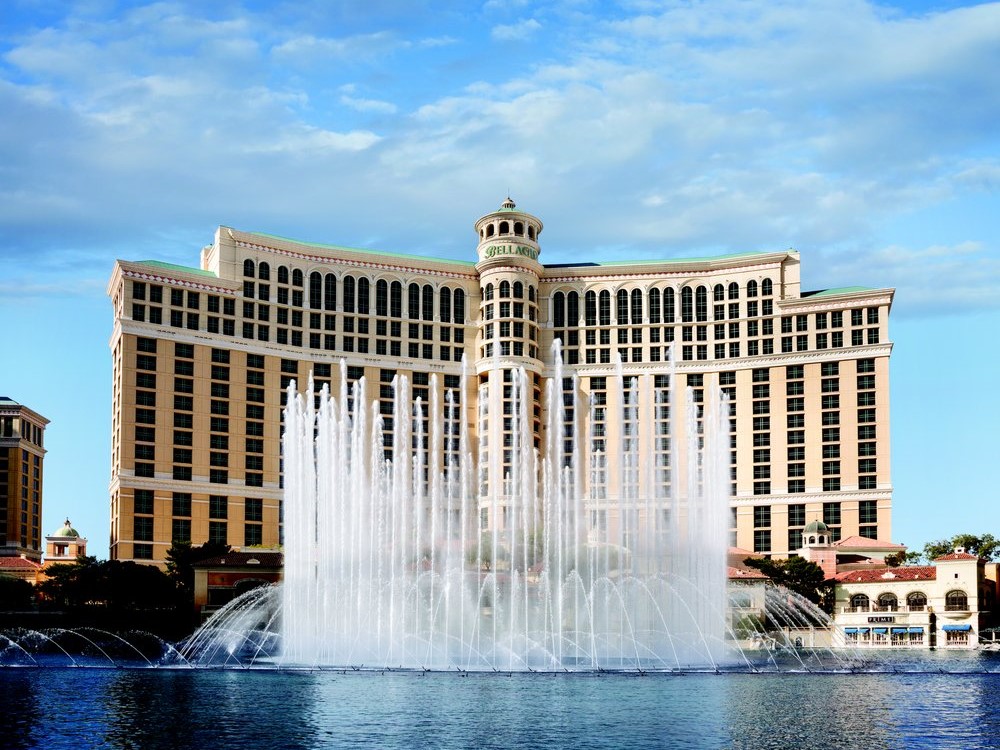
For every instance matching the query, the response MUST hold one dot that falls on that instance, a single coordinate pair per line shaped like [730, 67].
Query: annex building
[202, 358]
[22, 459]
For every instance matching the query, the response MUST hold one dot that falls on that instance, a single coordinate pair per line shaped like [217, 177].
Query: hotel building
[202, 358]
[22, 456]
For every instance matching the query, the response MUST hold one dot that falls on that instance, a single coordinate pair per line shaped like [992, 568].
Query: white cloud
[303, 142]
[521, 31]
[368, 105]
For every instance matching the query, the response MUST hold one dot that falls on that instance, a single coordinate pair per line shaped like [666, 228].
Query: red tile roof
[19, 563]
[745, 573]
[884, 575]
[956, 556]
[865, 543]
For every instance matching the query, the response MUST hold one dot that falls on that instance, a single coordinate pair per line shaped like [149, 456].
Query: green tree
[896, 559]
[799, 575]
[985, 546]
[15, 594]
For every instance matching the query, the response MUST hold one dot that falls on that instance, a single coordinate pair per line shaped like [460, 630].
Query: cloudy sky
[867, 136]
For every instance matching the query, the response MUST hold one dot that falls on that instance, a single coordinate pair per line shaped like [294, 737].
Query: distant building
[218, 580]
[22, 455]
[202, 358]
[946, 605]
[64, 545]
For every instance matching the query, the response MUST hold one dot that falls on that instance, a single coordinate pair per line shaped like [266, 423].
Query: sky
[866, 136]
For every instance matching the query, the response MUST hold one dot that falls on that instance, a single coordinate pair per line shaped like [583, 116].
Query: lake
[932, 701]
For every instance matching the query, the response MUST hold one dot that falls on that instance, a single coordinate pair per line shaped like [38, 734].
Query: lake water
[940, 701]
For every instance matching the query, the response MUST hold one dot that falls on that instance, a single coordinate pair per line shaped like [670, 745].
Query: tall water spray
[588, 561]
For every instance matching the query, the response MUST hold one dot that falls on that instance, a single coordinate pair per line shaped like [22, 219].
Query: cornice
[343, 257]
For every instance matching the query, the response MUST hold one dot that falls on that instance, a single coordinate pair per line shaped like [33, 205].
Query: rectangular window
[217, 532]
[143, 501]
[761, 540]
[762, 516]
[253, 509]
[181, 504]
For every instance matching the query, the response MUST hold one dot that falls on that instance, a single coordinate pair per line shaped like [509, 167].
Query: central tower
[509, 407]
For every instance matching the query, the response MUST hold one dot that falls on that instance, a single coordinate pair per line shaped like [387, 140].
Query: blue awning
[880, 630]
[862, 630]
[916, 630]
[958, 628]
[850, 630]
[899, 630]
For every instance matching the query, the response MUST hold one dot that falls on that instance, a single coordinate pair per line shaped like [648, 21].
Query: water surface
[949, 703]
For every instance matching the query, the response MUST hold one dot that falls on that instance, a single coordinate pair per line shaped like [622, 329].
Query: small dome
[816, 527]
[508, 205]
[67, 530]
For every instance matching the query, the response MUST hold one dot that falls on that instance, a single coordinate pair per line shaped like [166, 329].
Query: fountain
[399, 564]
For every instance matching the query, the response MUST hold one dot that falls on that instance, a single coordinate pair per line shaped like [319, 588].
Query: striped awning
[956, 628]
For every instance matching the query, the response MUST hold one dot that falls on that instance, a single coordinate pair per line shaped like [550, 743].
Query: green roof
[611, 263]
[839, 290]
[322, 246]
[175, 267]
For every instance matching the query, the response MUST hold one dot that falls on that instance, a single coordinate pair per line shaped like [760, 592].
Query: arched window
[519, 228]
[888, 602]
[701, 304]
[363, 295]
[330, 292]
[573, 309]
[531, 232]
[604, 307]
[488, 293]
[654, 305]
[531, 293]
[297, 277]
[622, 306]
[916, 601]
[687, 305]
[766, 288]
[719, 293]
[668, 305]
[396, 300]
[458, 314]
[316, 290]
[860, 601]
[444, 304]
[734, 290]
[558, 310]
[504, 227]
[518, 290]
[348, 294]
[428, 302]
[282, 274]
[504, 289]
[636, 307]
[751, 288]
[248, 268]
[413, 303]
[490, 229]
[264, 272]
[956, 601]
[382, 297]
[590, 308]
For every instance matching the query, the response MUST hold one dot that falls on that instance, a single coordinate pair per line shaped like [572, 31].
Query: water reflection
[122, 708]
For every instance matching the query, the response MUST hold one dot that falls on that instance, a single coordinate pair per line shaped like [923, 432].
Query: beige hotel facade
[202, 358]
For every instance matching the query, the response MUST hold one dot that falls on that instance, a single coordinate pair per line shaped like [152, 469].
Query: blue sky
[864, 135]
